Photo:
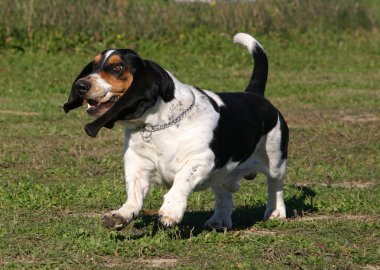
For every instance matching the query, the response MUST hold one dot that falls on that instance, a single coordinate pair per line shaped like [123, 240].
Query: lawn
[55, 181]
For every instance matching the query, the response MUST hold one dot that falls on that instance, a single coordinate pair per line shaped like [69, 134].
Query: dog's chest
[188, 141]
[168, 151]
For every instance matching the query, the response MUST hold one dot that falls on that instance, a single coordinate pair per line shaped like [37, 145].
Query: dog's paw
[169, 218]
[114, 221]
[279, 213]
[218, 223]
[168, 221]
[171, 212]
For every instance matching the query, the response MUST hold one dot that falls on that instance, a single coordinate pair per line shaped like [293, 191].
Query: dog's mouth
[97, 107]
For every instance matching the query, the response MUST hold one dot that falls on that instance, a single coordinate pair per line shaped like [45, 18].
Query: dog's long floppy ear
[75, 100]
[149, 82]
[164, 81]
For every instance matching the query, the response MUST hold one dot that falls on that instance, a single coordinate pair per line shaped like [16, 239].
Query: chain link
[146, 130]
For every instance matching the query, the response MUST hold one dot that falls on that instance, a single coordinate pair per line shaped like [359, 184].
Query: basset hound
[184, 137]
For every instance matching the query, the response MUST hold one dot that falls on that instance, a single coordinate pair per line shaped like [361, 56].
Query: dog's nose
[82, 86]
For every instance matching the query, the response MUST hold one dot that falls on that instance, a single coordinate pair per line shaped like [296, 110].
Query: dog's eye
[118, 68]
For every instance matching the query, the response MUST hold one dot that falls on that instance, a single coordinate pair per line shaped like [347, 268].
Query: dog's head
[118, 85]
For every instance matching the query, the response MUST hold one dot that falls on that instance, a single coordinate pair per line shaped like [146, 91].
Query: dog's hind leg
[276, 151]
[275, 207]
[223, 209]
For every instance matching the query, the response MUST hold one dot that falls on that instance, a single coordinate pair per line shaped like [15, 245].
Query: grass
[53, 26]
[55, 181]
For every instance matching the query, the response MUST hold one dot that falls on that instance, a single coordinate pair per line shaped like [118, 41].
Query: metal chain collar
[146, 130]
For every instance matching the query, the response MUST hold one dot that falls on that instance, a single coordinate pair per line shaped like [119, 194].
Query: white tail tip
[247, 40]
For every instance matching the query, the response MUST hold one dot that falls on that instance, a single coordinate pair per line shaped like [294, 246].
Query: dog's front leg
[137, 176]
[175, 201]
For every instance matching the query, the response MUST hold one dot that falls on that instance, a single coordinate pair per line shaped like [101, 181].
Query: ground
[56, 181]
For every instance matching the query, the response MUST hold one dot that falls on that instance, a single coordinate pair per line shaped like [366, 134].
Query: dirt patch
[19, 113]
[361, 118]
[81, 214]
[296, 119]
[300, 114]
[159, 262]
[352, 92]
[254, 231]
[372, 267]
[363, 218]
[343, 184]
[306, 218]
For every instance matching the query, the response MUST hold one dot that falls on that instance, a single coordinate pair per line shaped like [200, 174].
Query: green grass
[55, 181]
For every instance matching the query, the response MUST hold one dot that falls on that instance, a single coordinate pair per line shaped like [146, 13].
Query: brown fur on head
[111, 78]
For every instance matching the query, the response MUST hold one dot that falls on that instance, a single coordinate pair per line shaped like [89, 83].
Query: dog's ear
[162, 78]
[149, 82]
[75, 100]
[164, 82]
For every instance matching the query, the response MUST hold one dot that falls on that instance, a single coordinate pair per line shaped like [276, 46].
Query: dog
[184, 137]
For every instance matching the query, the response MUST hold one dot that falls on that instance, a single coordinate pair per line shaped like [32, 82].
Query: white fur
[247, 40]
[107, 54]
[180, 157]
[100, 85]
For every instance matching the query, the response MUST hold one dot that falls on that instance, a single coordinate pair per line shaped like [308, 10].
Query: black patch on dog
[243, 120]
[259, 75]
[284, 137]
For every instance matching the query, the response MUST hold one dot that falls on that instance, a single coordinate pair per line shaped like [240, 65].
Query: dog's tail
[260, 71]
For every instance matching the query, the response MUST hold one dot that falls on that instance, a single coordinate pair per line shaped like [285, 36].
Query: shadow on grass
[243, 217]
